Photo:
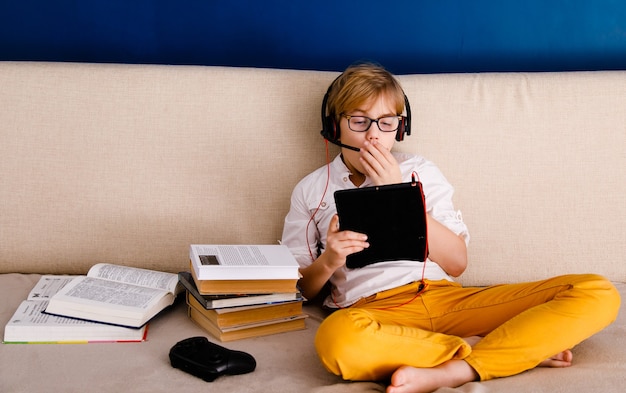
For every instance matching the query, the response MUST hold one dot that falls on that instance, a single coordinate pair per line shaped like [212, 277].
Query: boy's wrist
[330, 264]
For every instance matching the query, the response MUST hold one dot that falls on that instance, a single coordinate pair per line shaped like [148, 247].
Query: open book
[30, 325]
[118, 295]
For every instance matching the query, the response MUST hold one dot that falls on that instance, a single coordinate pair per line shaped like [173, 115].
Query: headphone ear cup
[331, 131]
[401, 130]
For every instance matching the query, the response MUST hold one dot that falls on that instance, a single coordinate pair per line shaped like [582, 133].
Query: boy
[404, 321]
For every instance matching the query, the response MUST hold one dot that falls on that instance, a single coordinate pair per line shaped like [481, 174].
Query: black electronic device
[206, 360]
[392, 216]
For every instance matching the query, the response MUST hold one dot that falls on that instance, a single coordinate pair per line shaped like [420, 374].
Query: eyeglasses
[363, 123]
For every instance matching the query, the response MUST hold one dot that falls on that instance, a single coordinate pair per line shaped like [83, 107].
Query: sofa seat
[286, 362]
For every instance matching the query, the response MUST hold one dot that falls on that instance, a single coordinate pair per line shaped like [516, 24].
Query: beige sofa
[132, 163]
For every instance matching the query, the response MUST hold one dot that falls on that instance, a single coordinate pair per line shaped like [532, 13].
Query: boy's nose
[373, 131]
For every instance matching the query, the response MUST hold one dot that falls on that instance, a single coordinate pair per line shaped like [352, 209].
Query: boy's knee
[337, 340]
[605, 298]
[611, 298]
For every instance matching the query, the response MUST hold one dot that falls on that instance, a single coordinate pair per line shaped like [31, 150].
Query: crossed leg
[452, 373]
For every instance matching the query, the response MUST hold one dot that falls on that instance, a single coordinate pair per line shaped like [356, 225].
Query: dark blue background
[405, 36]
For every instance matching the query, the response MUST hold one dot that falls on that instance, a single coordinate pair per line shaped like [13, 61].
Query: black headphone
[331, 131]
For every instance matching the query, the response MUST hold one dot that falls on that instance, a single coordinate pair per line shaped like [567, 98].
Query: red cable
[306, 234]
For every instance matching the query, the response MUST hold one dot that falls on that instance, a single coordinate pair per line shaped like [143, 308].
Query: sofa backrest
[132, 163]
[538, 161]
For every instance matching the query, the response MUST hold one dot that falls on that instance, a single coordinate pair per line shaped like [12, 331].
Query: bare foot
[563, 359]
[452, 373]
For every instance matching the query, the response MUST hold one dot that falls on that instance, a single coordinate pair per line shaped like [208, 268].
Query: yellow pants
[521, 325]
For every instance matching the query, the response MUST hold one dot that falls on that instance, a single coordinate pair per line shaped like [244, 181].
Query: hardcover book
[245, 315]
[243, 269]
[243, 262]
[118, 295]
[257, 329]
[234, 300]
[30, 325]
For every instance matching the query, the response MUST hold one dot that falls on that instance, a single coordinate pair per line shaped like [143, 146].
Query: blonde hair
[360, 83]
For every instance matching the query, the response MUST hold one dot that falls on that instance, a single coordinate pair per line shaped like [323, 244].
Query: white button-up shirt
[313, 206]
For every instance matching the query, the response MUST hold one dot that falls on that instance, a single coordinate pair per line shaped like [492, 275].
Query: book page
[29, 324]
[243, 262]
[136, 276]
[108, 301]
[31, 313]
[47, 286]
[229, 255]
[91, 291]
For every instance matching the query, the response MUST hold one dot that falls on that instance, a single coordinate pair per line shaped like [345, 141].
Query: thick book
[239, 287]
[245, 315]
[118, 295]
[239, 332]
[243, 262]
[243, 269]
[234, 300]
[30, 325]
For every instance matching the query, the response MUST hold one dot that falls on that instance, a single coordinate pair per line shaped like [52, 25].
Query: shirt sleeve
[438, 194]
[300, 232]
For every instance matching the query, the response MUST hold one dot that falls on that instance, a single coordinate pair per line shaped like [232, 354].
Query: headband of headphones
[330, 128]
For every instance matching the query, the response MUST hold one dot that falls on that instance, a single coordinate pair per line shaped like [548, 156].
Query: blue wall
[405, 36]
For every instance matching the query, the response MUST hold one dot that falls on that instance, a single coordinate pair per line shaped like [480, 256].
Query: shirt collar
[342, 171]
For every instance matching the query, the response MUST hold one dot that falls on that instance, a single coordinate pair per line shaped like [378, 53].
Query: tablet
[392, 216]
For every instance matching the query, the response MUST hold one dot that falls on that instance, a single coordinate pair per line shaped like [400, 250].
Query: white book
[30, 325]
[119, 295]
[243, 262]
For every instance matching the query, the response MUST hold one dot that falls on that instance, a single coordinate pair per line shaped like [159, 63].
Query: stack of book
[243, 291]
